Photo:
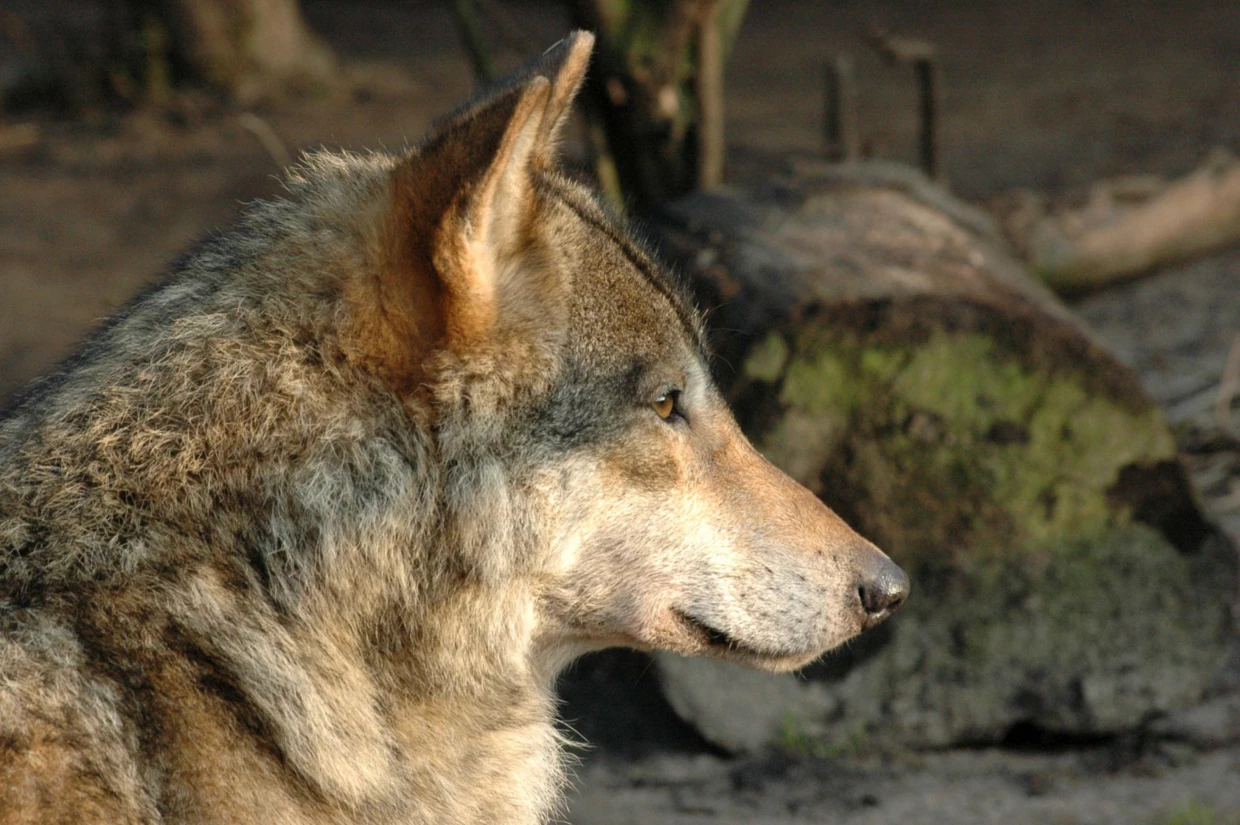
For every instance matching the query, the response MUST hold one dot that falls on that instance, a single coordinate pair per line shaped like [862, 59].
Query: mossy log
[879, 344]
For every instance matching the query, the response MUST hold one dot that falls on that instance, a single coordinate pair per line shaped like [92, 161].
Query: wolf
[306, 532]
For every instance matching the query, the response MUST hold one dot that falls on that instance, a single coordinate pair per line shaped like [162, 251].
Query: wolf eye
[665, 405]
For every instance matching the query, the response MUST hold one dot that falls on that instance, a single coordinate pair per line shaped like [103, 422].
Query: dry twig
[840, 121]
[1227, 388]
[921, 55]
[710, 98]
[19, 136]
[267, 136]
[1115, 237]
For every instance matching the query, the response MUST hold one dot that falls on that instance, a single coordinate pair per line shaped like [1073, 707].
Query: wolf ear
[461, 216]
[486, 223]
[565, 65]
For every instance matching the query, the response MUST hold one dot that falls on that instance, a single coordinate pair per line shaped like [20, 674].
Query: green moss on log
[951, 431]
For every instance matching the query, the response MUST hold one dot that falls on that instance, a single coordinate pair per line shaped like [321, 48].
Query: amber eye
[665, 405]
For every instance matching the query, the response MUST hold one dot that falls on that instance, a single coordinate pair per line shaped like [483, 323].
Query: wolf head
[583, 442]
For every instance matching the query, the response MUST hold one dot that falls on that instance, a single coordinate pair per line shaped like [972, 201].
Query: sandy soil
[1049, 96]
[960, 787]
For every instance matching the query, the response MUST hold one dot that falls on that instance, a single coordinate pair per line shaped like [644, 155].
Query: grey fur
[262, 560]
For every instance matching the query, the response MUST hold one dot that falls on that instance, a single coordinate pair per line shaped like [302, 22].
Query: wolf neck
[391, 701]
[375, 614]
[448, 625]
[470, 705]
[436, 676]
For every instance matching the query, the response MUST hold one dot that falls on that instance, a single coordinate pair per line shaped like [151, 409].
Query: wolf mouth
[720, 640]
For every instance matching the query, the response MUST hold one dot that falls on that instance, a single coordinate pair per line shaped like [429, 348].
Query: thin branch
[469, 26]
[267, 136]
[1227, 388]
[710, 101]
[922, 56]
[841, 130]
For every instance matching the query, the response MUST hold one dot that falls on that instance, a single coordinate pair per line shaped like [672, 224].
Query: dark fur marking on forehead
[585, 407]
[634, 256]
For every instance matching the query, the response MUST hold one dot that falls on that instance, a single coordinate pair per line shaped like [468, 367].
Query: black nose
[883, 588]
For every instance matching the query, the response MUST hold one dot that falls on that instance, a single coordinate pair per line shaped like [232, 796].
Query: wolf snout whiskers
[793, 620]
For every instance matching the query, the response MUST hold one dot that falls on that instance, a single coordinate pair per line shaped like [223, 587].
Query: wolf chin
[306, 532]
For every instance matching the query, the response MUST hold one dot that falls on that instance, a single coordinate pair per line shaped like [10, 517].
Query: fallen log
[879, 344]
[1127, 226]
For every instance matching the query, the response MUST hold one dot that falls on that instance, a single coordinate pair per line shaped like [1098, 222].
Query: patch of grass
[794, 741]
[1193, 812]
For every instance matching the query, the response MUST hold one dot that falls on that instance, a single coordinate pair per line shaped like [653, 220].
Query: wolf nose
[883, 588]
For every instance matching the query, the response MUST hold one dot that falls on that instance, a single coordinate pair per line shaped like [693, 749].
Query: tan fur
[306, 533]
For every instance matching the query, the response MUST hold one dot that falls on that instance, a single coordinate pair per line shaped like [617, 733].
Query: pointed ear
[485, 227]
[455, 208]
[564, 64]
[482, 235]
[459, 220]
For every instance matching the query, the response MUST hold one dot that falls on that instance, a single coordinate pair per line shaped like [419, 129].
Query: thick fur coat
[306, 532]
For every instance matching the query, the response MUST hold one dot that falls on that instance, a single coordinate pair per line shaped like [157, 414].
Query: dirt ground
[1048, 96]
[961, 787]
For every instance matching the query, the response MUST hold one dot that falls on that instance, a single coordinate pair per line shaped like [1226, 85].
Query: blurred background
[972, 274]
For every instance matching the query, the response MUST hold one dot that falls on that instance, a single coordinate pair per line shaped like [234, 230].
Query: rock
[1212, 724]
[743, 710]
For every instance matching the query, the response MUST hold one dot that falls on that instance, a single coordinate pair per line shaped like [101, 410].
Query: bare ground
[1077, 787]
[1048, 96]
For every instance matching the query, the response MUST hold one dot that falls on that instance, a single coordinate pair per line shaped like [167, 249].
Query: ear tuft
[565, 65]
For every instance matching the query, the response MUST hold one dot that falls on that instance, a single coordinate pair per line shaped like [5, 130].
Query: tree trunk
[247, 49]
[656, 93]
[887, 352]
